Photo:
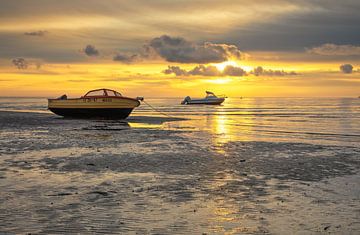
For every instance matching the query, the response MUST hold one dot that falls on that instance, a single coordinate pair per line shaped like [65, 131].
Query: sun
[222, 66]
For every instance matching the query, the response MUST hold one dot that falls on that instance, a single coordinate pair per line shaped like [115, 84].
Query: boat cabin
[102, 93]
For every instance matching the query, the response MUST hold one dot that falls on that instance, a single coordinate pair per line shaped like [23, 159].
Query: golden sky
[161, 48]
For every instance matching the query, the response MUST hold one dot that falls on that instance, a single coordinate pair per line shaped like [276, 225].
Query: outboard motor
[186, 100]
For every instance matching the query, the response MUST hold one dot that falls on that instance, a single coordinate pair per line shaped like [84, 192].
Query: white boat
[210, 99]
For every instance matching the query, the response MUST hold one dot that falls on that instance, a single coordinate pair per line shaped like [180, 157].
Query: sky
[175, 48]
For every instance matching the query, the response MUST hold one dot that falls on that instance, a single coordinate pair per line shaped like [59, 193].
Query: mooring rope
[167, 115]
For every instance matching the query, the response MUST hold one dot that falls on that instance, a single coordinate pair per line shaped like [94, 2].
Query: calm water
[310, 120]
[251, 166]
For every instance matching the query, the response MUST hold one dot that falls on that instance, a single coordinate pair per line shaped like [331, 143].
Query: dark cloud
[127, 58]
[260, 71]
[176, 70]
[202, 70]
[177, 49]
[230, 70]
[330, 49]
[121, 58]
[20, 63]
[90, 50]
[39, 33]
[24, 64]
[313, 23]
[346, 68]
[146, 53]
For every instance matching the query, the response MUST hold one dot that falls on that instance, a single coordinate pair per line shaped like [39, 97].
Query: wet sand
[85, 176]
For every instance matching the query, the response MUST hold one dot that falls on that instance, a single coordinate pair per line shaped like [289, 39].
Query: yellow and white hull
[106, 107]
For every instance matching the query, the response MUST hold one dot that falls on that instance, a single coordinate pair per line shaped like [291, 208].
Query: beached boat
[210, 99]
[100, 103]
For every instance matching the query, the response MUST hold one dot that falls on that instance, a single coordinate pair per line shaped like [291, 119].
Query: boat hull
[108, 108]
[206, 102]
[106, 113]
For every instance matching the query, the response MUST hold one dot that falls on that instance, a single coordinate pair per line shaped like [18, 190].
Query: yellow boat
[99, 103]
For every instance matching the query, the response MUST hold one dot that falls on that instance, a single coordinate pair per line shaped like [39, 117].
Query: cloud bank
[260, 71]
[330, 49]
[200, 70]
[229, 70]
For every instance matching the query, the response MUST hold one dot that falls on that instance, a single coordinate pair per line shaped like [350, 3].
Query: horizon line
[180, 97]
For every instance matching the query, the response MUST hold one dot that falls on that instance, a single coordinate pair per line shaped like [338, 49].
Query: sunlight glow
[221, 66]
[219, 80]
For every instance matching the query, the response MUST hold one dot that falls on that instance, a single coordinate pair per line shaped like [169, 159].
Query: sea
[249, 166]
[305, 120]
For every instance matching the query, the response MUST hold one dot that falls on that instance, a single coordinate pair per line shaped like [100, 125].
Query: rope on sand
[153, 108]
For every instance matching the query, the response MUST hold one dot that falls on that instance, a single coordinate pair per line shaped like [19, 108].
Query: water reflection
[346, 108]
[220, 130]
[229, 124]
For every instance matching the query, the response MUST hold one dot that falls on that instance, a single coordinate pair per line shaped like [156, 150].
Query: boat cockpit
[102, 93]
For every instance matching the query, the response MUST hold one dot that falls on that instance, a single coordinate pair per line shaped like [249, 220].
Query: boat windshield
[102, 92]
[96, 93]
[210, 94]
[113, 93]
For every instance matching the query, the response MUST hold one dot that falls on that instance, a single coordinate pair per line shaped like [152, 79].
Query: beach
[249, 166]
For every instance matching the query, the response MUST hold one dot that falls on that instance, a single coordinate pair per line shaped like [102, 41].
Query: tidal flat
[150, 175]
